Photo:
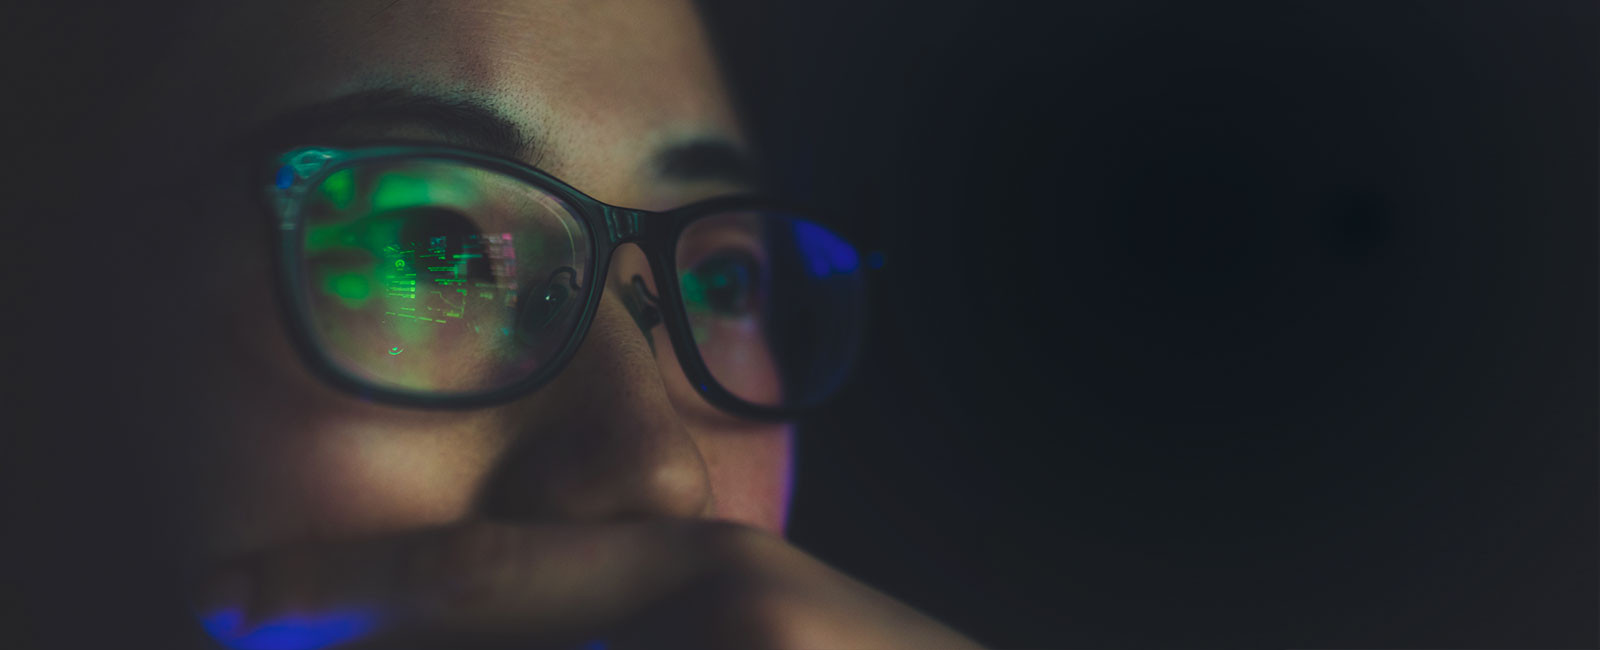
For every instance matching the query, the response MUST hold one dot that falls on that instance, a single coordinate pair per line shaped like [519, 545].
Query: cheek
[750, 464]
[371, 477]
[281, 456]
[282, 481]
[750, 472]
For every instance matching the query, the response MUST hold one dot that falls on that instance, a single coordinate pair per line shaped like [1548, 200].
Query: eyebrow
[475, 125]
[460, 122]
[703, 159]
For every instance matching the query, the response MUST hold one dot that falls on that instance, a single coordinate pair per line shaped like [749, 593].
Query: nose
[603, 439]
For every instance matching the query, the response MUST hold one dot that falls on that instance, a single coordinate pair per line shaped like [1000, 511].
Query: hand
[648, 584]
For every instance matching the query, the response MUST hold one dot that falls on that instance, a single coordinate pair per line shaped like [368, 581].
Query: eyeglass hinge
[295, 166]
[306, 162]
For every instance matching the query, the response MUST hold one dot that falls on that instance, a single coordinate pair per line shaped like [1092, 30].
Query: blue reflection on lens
[285, 177]
[290, 632]
[825, 253]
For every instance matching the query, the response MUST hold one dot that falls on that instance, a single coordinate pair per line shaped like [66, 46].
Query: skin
[612, 503]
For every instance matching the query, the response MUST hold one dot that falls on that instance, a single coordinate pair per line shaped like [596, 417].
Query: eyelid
[698, 252]
[697, 244]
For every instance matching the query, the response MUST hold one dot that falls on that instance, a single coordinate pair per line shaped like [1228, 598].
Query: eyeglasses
[435, 277]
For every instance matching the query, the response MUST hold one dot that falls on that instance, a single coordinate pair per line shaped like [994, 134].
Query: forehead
[598, 83]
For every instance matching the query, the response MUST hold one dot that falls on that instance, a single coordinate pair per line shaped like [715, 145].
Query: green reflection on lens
[340, 188]
[353, 288]
[694, 298]
[722, 285]
[324, 237]
[367, 233]
[694, 291]
[396, 191]
[440, 186]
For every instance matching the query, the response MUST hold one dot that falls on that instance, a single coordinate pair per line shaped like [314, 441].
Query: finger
[477, 583]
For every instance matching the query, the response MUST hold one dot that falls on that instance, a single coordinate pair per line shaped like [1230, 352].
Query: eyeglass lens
[774, 304]
[435, 276]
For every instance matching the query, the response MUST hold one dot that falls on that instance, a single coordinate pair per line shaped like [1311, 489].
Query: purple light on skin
[300, 631]
[788, 480]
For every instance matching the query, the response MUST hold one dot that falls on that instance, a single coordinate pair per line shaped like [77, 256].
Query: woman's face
[619, 98]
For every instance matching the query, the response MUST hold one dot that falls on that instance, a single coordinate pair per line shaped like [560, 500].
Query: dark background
[1204, 324]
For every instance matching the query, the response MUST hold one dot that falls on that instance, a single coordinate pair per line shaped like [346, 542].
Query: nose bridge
[603, 440]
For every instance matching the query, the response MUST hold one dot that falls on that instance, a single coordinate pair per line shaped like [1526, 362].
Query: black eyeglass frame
[656, 233]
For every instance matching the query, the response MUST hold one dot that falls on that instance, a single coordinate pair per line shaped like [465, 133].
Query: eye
[543, 303]
[727, 284]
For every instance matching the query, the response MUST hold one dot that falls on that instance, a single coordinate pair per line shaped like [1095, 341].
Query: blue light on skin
[285, 177]
[825, 253]
[289, 632]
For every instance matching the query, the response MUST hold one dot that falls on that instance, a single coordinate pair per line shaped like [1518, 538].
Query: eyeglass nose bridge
[625, 224]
